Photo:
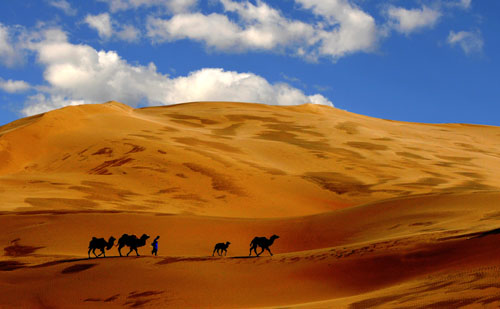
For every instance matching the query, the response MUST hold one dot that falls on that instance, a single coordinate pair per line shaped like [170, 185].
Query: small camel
[101, 244]
[220, 247]
[262, 242]
[131, 241]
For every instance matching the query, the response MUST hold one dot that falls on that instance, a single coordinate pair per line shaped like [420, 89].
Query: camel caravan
[133, 243]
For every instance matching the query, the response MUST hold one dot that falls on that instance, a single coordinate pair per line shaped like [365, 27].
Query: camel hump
[94, 238]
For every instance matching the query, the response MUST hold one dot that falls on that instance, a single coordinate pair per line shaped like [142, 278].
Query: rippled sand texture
[370, 212]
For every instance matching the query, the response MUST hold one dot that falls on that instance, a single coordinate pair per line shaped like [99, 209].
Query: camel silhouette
[220, 247]
[262, 242]
[101, 244]
[131, 241]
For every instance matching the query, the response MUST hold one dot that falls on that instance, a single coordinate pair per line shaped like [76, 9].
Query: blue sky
[423, 61]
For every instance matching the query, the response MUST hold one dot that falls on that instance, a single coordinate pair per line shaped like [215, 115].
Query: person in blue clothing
[154, 244]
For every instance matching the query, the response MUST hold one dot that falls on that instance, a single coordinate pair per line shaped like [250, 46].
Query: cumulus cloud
[355, 30]
[340, 29]
[470, 41]
[174, 6]
[103, 24]
[78, 74]
[407, 21]
[128, 33]
[9, 56]
[215, 84]
[63, 5]
[14, 86]
[41, 103]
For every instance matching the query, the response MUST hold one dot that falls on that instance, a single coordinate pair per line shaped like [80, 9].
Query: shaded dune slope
[371, 213]
[235, 160]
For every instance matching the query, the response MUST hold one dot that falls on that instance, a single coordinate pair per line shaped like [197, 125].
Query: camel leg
[136, 252]
[213, 253]
[225, 252]
[120, 250]
[103, 253]
[260, 252]
[130, 251]
[254, 248]
[269, 251]
[90, 249]
[93, 251]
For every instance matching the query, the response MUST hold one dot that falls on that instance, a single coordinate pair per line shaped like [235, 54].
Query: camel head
[227, 243]
[274, 237]
[111, 242]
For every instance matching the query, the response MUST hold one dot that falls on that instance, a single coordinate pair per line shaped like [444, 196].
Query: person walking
[154, 244]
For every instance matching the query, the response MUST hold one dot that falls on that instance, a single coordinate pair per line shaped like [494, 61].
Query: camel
[131, 241]
[221, 247]
[101, 244]
[262, 242]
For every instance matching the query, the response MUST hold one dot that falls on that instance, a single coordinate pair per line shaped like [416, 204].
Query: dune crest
[292, 161]
[370, 213]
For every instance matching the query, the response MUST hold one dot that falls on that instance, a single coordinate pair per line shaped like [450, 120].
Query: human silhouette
[221, 247]
[262, 242]
[154, 244]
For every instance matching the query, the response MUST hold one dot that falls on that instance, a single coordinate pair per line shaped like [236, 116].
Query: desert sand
[370, 212]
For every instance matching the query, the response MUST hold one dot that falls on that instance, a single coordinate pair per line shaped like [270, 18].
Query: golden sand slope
[392, 254]
[235, 160]
[371, 213]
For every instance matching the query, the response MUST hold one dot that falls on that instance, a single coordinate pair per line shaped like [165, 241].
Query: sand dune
[244, 160]
[370, 212]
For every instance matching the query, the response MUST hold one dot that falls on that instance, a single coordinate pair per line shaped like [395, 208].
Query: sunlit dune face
[357, 212]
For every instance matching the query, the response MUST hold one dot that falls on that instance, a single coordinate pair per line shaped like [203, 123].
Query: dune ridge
[370, 212]
[299, 160]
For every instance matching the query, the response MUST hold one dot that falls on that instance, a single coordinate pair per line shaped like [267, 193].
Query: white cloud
[79, 74]
[103, 24]
[174, 6]
[407, 21]
[355, 29]
[341, 29]
[465, 3]
[9, 56]
[13, 86]
[128, 33]
[469, 41]
[63, 5]
[214, 84]
[41, 103]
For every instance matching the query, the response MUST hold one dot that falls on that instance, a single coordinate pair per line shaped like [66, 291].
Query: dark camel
[131, 241]
[221, 247]
[262, 242]
[101, 244]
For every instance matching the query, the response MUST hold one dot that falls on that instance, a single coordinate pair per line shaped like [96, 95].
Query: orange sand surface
[370, 212]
